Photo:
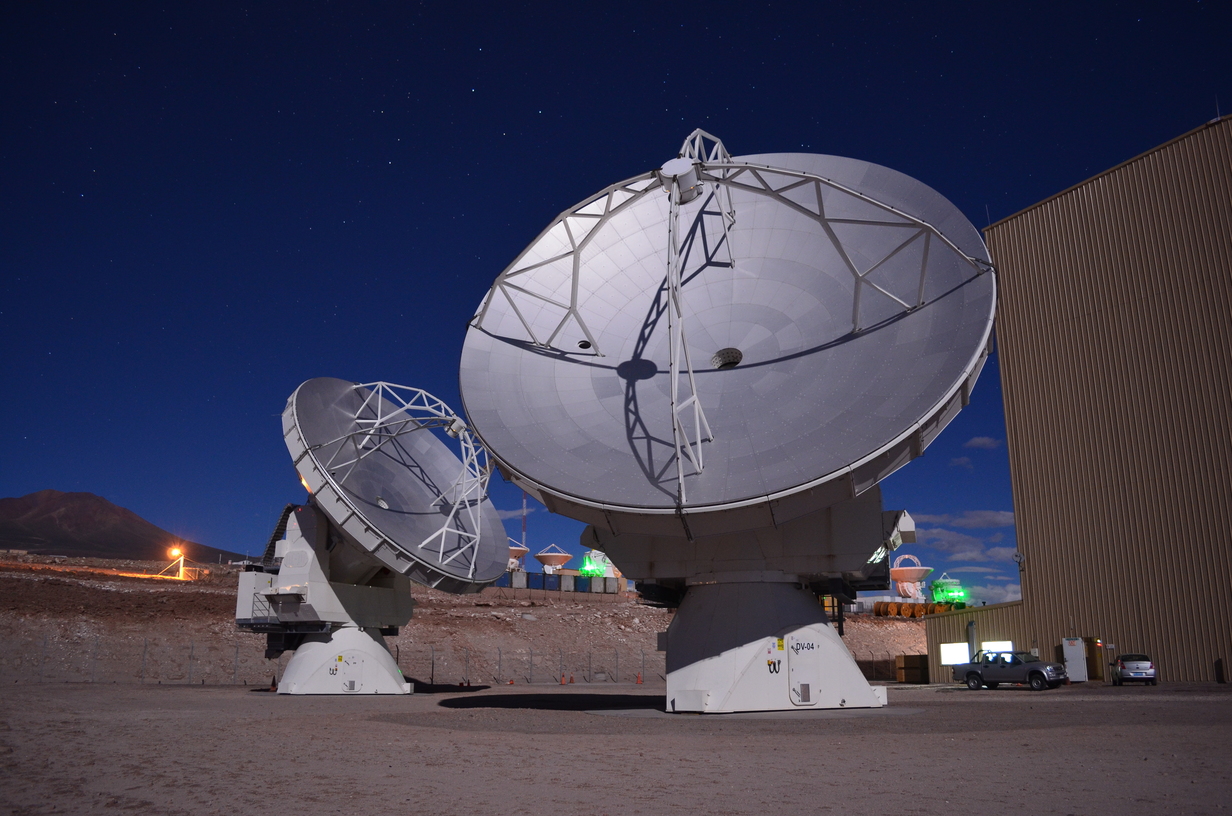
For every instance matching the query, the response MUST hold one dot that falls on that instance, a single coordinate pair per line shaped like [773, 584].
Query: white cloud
[962, 461]
[971, 519]
[962, 547]
[512, 514]
[994, 593]
[983, 443]
[944, 540]
[958, 546]
[984, 518]
[996, 537]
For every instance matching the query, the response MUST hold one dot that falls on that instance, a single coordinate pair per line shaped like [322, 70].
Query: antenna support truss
[389, 412]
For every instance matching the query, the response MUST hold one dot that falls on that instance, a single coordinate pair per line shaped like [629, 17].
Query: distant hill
[87, 526]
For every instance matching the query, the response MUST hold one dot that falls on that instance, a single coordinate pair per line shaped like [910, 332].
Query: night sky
[205, 205]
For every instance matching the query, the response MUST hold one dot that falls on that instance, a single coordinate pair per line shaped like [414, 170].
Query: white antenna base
[349, 660]
[760, 646]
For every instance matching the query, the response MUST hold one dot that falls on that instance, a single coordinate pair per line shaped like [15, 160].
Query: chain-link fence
[527, 665]
[57, 657]
[54, 657]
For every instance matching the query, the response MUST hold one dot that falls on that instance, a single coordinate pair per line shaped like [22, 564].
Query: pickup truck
[991, 669]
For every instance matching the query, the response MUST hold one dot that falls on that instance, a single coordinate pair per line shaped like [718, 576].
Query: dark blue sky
[205, 205]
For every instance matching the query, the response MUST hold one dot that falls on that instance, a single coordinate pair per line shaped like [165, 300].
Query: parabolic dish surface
[383, 487]
[588, 417]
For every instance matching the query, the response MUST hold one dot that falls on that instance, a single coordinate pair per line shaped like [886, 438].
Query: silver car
[991, 669]
[1133, 668]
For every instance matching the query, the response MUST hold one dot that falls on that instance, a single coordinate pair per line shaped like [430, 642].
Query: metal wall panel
[1115, 332]
[1005, 621]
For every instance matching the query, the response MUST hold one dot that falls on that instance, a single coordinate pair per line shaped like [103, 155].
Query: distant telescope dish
[552, 558]
[714, 364]
[390, 503]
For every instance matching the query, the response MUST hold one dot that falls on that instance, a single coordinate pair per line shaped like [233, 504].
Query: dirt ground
[90, 748]
[78, 620]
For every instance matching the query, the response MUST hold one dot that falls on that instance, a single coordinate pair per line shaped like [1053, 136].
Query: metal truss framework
[391, 411]
[760, 180]
[574, 229]
[678, 356]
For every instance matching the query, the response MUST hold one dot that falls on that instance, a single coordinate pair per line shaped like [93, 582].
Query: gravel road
[94, 748]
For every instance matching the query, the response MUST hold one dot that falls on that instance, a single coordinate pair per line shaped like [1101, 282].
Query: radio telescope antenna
[846, 312]
[390, 503]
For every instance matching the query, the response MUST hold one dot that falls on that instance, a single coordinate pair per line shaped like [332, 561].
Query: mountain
[84, 525]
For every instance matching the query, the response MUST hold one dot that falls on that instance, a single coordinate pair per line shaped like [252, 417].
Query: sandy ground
[91, 748]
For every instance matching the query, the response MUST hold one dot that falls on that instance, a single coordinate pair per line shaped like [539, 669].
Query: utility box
[1074, 653]
[911, 668]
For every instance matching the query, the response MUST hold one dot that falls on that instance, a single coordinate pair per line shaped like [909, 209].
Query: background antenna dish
[390, 503]
[552, 558]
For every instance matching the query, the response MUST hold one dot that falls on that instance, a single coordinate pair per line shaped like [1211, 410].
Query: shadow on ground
[420, 687]
[561, 702]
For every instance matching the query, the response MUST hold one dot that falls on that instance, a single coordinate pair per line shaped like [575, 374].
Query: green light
[592, 567]
[948, 590]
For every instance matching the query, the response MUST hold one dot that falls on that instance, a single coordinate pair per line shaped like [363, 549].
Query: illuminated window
[953, 654]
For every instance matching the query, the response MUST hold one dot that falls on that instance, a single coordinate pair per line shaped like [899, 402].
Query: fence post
[145, 648]
[192, 648]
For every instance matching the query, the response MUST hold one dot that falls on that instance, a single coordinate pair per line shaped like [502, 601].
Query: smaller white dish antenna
[909, 579]
[390, 503]
[552, 558]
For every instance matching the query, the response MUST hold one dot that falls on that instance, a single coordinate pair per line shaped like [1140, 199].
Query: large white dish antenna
[714, 364]
[778, 334]
[370, 457]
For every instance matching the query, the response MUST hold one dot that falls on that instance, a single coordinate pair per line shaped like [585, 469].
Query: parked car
[991, 669]
[1133, 668]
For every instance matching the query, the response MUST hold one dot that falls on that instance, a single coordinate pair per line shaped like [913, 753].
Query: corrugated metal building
[1115, 338]
[1004, 621]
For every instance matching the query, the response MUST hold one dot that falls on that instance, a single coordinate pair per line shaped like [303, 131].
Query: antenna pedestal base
[759, 646]
[349, 660]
